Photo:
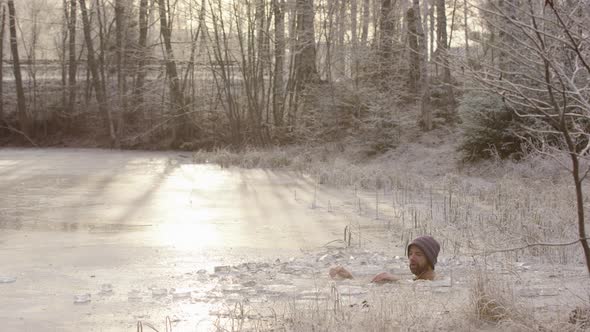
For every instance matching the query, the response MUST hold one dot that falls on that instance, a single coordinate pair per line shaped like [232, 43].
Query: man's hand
[384, 277]
[339, 272]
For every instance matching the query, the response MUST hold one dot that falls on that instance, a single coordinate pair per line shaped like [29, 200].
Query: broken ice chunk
[134, 296]
[81, 298]
[106, 289]
[158, 292]
[222, 269]
[249, 283]
[7, 280]
[180, 293]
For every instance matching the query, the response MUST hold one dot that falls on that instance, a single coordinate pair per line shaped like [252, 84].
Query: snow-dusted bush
[333, 112]
[489, 128]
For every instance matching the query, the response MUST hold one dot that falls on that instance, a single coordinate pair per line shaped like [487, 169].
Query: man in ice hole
[422, 255]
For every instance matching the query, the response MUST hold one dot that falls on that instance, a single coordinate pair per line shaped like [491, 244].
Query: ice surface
[232, 288]
[445, 282]
[275, 289]
[249, 283]
[82, 298]
[538, 291]
[106, 289]
[181, 293]
[312, 295]
[159, 292]
[7, 280]
[222, 269]
[134, 296]
[351, 290]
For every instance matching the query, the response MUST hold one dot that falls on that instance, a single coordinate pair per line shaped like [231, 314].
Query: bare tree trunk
[291, 98]
[414, 53]
[442, 45]
[441, 26]
[88, 86]
[143, 30]
[306, 53]
[466, 28]
[64, 50]
[223, 73]
[385, 30]
[190, 68]
[292, 24]
[506, 40]
[365, 31]
[176, 96]
[302, 67]
[575, 171]
[252, 46]
[259, 93]
[450, 43]
[565, 120]
[268, 62]
[354, 40]
[425, 26]
[277, 98]
[96, 81]
[385, 50]
[23, 117]
[120, 26]
[328, 27]
[431, 20]
[376, 19]
[102, 33]
[2, 28]
[119, 31]
[72, 62]
[399, 24]
[32, 68]
[425, 109]
[340, 47]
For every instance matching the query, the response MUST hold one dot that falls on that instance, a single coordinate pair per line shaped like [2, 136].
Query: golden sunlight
[188, 235]
[188, 218]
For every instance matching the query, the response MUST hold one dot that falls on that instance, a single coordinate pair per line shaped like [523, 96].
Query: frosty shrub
[489, 128]
[336, 111]
[330, 112]
[442, 110]
[491, 300]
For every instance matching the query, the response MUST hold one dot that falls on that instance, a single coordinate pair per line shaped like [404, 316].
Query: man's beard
[418, 269]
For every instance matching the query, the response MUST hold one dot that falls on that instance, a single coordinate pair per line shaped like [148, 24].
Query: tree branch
[531, 245]
[576, 46]
[21, 133]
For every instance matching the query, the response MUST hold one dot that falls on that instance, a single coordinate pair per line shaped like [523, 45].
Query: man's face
[418, 261]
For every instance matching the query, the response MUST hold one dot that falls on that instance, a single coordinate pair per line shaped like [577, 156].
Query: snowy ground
[98, 240]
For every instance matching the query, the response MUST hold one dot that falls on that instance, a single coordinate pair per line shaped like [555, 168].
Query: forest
[186, 74]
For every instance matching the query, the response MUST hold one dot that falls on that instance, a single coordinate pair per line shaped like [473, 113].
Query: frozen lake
[112, 225]
[98, 240]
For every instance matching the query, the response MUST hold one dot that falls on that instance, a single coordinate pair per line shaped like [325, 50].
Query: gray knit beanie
[429, 246]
